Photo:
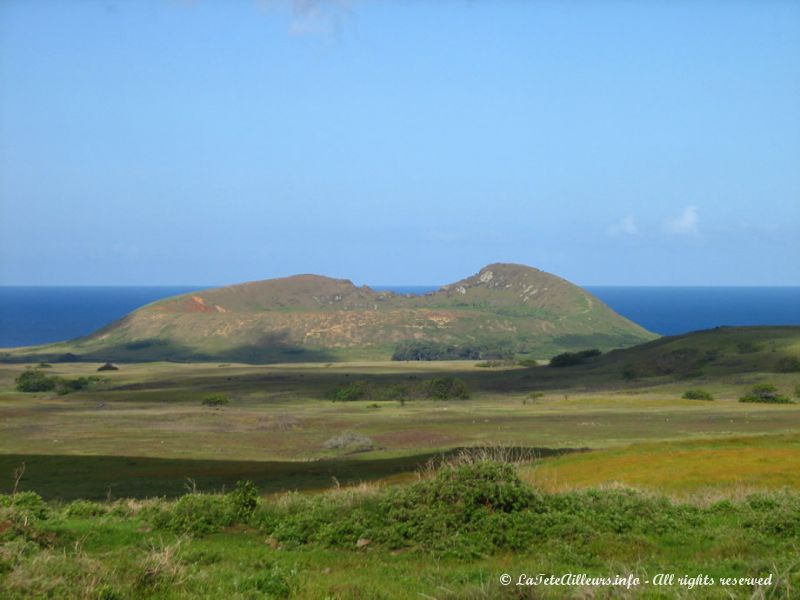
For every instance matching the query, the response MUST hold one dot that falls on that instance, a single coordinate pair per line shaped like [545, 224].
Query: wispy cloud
[625, 226]
[687, 223]
[311, 17]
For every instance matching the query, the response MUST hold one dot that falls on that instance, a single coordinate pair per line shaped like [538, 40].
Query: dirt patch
[280, 422]
[413, 438]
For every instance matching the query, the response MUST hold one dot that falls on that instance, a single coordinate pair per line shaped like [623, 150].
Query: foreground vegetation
[449, 535]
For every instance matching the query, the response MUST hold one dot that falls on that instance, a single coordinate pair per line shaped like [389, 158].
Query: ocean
[38, 315]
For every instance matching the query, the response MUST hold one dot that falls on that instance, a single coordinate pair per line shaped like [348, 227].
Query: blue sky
[619, 143]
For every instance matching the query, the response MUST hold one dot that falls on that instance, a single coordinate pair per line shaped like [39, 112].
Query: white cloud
[318, 16]
[625, 226]
[687, 223]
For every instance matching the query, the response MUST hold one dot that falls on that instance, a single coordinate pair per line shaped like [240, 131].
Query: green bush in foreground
[27, 505]
[85, 508]
[470, 516]
[765, 393]
[243, 500]
[195, 513]
[697, 394]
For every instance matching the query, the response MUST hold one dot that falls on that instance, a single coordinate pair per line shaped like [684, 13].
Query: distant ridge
[514, 308]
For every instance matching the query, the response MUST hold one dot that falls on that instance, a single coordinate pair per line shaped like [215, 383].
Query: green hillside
[504, 309]
[719, 351]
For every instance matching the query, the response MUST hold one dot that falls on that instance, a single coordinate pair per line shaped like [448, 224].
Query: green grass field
[724, 475]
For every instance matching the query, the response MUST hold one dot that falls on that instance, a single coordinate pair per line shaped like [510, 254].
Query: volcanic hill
[503, 309]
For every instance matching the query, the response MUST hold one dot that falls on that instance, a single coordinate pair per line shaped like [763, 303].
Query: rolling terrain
[503, 309]
[134, 487]
[142, 428]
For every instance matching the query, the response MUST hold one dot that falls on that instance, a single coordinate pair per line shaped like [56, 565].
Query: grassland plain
[718, 478]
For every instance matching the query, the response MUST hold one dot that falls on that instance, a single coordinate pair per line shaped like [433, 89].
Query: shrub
[273, 583]
[441, 351]
[108, 367]
[528, 362]
[85, 508]
[197, 513]
[348, 392]
[797, 391]
[570, 359]
[65, 386]
[630, 372]
[26, 505]
[446, 388]
[474, 499]
[747, 347]
[243, 500]
[364, 390]
[765, 393]
[788, 364]
[532, 397]
[33, 380]
[216, 400]
[697, 395]
[434, 351]
[396, 391]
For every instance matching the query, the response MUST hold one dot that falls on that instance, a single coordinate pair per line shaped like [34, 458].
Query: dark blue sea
[37, 315]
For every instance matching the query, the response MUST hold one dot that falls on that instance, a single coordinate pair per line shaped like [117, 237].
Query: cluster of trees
[569, 359]
[438, 388]
[442, 351]
[766, 393]
[36, 380]
[697, 394]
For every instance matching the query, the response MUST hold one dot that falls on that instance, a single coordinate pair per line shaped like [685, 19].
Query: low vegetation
[788, 364]
[441, 351]
[216, 400]
[766, 393]
[350, 440]
[34, 380]
[571, 359]
[716, 483]
[697, 394]
[462, 518]
[438, 388]
[532, 397]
